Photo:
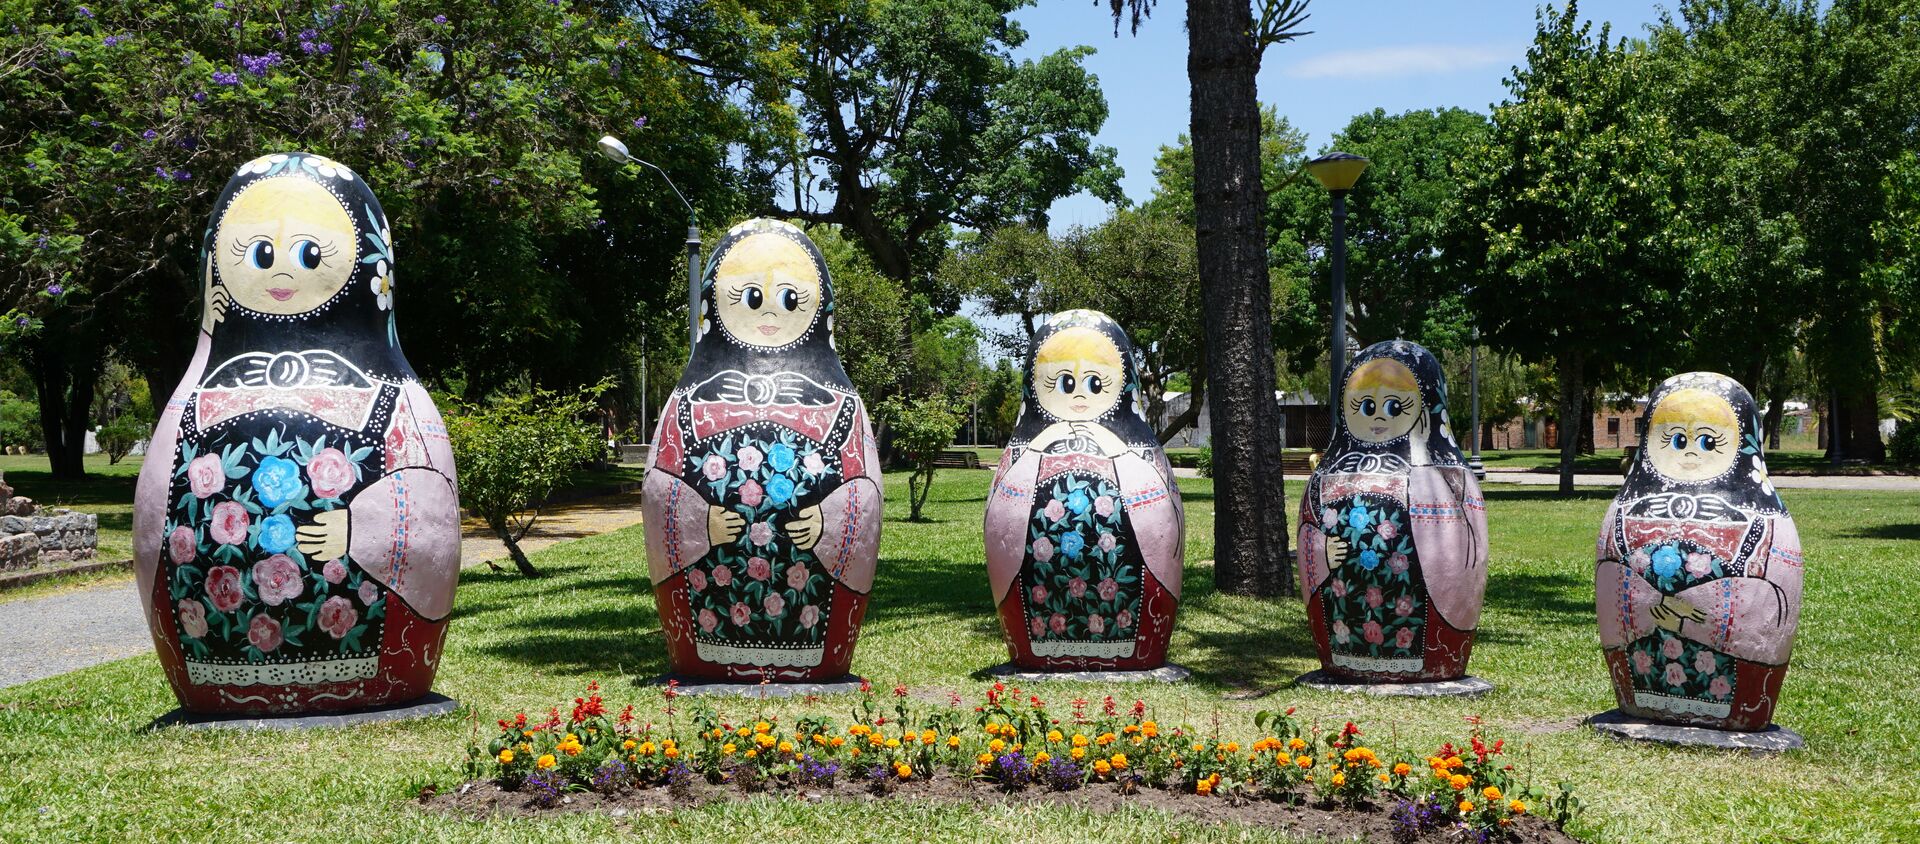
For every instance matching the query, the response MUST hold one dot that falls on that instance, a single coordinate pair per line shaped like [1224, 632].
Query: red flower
[264, 633]
[223, 588]
[337, 617]
[900, 690]
[330, 473]
[229, 525]
[278, 580]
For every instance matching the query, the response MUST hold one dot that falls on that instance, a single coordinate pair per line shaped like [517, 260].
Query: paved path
[73, 630]
[1888, 483]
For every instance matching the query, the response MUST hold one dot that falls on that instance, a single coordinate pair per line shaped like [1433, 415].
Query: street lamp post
[1337, 171]
[1473, 378]
[615, 151]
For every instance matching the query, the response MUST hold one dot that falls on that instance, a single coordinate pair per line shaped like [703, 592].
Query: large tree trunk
[1858, 428]
[1196, 400]
[1587, 440]
[66, 363]
[1250, 522]
[1776, 411]
[1573, 394]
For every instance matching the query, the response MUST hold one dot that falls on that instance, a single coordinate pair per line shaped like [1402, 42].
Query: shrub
[921, 430]
[1905, 446]
[1204, 462]
[118, 437]
[513, 453]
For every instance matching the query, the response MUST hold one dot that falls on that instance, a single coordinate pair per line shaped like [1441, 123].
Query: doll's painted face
[1693, 436]
[1078, 375]
[285, 246]
[1382, 401]
[768, 289]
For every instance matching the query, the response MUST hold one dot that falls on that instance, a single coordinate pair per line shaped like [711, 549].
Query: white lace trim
[1384, 665]
[1110, 650]
[807, 657]
[1682, 705]
[282, 673]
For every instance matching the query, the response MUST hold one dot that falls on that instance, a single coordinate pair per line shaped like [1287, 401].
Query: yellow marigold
[524, 747]
[1101, 767]
[1352, 754]
[1454, 762]
[819, 739]
[1053, 735]
[1466, 806]
[1296, 743]
[1459, 782]
[752, 753]
[762, 727]
[629, 744]
[1491, 792]
[1130, 729]
[785, 747]
[1231, 747]
[877, 740]
[1119, 761]
[1402, 768]
[1150, 729]
[765, 740]
[1304, 761]
[837, 741]
[1339, 779]
[892, 743]
[1383, 777]
[544, 762]
[1079, 740]
[853, 751]
[1079, 753]
[1199, 747]
[505, 757]
[1106, 738]
[996, 746]
[570, 737]
[903, 770]
[728, 748]
[646, 748]
[670, 752]
[984, 758]
[1017, 748]
[669, 743]
[928, 736]
[1203, 787]
[859, 730]
[1517, 807]
[953, 741]
[1042, 758]
[743, 732]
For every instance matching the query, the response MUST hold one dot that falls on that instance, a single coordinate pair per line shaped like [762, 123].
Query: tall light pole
[615, 151]
[1473, 378]
[1337, 171]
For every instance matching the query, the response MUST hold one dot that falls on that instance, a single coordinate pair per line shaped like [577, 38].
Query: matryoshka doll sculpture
[1699, 572]
[1085, 535]
[296, 527]
[762, 497]
[1393, 530]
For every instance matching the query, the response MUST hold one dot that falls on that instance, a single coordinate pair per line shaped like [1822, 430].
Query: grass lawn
[76, 762]
[1606, 461]
[106, 491]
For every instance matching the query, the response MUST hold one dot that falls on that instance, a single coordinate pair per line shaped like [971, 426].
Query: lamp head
[1337, 171]
[614, 150]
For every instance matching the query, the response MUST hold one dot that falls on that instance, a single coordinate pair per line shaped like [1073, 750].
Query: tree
[869, 316]
[1563, 217]
[921, 429]
[514, 452]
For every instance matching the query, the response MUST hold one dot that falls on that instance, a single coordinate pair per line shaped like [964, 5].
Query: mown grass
[77, 762]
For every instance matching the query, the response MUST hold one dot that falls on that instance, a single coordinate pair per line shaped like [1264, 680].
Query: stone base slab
[427, 706]
[1773, 739]
[721, 688]
[1467, 686]
[1169, 673]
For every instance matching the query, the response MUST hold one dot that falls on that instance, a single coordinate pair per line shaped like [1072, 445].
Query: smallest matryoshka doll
[1085, 534]
[1699, 572]
[1393, 530]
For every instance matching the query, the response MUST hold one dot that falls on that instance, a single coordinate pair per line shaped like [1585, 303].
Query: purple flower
[258, 65]
[22, 322]
[161, 172]
[181, 175]
[358, 123]
[219, 4]
[66, 54]
[493, 181]
[149, 134]
[199, 96]
[308, 34]
[55, 289]
[186, 59]
[336, 7]
[640, 122]
[226, 77]
[325, 48]
[86, 12]
[440, 19]
[119, 147]
[114, 40]
[408, 163]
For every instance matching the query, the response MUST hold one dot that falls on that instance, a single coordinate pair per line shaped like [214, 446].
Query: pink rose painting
[277, 580]
[1398, 563]
[714, 468]
[1055, 511]
[739, 614]
[708, 621]
[368, 593]
[1639, 561]
[751, 494]
[1676, 676]
[758, 568]
[337, 617]
[264, 633]
[333, 571]
[1403, 638]
[1043, 549]
[1108, 589]
[206, 476]
[1671, 649]
[1077, 588]
[1642, 663]
[1339, 588]
[229, 524]
[1387, 530]
[813, 464]
[1719, 688]
[193, 618]
[1341, 632]
[330, 473]
[1403, 607]
[1039, 594]
[797, 577]
[1704, 662]
[1374, 597]
[722, 575]
[1372, 633]
[775, 605]
[1699, 565]
[1103, 505]
[749, 457]
[223, 588]
[809, 616]
[181, 545]
[1122, 620]
[1058, 624]
[1328, 516]
[1107, 542]
[1096, 625]
[697, 579]
[761, 533]
[1039, 627]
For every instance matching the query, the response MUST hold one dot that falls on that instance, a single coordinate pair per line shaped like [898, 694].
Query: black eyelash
[801, 297]
[1353, 404]
[737, 295]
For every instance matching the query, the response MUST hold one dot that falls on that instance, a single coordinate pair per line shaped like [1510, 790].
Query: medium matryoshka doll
[1393, 530]
[762, 497]
[296, 527]
[1699, 572]
[1085, 534]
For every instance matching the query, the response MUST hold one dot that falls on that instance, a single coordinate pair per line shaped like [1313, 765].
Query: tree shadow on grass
[597, 624]
[1506, 492]
[1257, 652]
[922, 590]
[1894, 532]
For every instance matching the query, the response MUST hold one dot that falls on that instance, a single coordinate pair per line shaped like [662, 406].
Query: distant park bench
[957, 458]
[1296, 464]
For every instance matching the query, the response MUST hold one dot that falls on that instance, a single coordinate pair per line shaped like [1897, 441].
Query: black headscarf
[1127, 419]
[811, 354]
[1744, 485]
[354, 324]
[1433, 433]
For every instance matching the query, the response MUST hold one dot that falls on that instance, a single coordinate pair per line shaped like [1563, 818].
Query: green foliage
[921, 429]
[118, 437]
[1905, 446]
[869, 316]
[1203, 461]
[19, 421]
[513, 452]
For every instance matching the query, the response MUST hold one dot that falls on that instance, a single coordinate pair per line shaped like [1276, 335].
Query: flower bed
[1010, 745]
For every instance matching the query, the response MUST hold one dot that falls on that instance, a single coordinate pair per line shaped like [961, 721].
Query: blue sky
[1363, 54]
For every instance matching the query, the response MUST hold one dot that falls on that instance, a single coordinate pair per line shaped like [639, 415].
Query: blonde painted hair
[1692, 404]
[288, 196]
[1078, 343]
[758, 253]
[1384, 372]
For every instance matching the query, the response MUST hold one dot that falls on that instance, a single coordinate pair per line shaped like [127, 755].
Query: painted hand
[326, 538]
[1109, 442]
[723, 525]
[805, 531]
[1336, 552]
[1672, 611]
[218, 300]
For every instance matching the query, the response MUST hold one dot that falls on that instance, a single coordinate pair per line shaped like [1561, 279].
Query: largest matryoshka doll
[296, 529]
[1699, 572]
[762, 497]
[1084, 528]
[1393, 530]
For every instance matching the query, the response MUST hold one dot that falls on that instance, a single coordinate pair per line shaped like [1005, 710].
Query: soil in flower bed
[487, 799]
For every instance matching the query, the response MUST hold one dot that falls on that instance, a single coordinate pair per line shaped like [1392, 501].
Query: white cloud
[1386, 62]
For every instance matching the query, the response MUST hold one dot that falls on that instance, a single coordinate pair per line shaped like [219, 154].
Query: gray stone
[1169, 673]
[433, 703]
[1467, 686]
[16, 524]
[20, 505]
[19, 551]
[703, 687]
[1773, 739]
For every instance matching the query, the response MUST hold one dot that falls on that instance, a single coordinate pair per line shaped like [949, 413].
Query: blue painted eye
[1677, 442]
[1394, 407]
[1709, 442]
[1367, 407]
[307, 253]
[1064, 383]
[789, 299]
[1094, 384]
[261, 254]
[755, 298]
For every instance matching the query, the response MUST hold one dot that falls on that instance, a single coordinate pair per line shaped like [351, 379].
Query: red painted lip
[279, 294]
[1080, 407]
[1379, 429]
[769, 330]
